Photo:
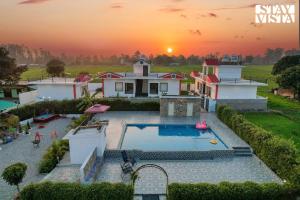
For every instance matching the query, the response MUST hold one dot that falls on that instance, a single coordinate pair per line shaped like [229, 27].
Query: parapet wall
[259, 104]
[180, 105]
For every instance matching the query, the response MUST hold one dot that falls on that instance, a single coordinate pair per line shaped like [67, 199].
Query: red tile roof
[109, 75]
[194, 74]
[212, 61]
[170, 76]
[211, 78]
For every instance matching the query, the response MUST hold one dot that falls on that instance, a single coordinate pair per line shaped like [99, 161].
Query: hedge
[70, 107]
[72, 191]
[231, 191]
[53, 154]
[279, 154]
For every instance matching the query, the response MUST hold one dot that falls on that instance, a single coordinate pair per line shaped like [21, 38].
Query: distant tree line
[25, 55]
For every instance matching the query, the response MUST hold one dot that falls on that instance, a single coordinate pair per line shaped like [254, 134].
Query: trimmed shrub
[14, 174]
[52, 156]
[279, 154]
[231, 191]
[71, 191]
[70, 107]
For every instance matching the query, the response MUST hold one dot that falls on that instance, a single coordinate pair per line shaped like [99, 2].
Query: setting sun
[170, 50]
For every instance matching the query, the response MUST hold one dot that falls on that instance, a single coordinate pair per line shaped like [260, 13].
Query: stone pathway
[153, 181]
[21, 150]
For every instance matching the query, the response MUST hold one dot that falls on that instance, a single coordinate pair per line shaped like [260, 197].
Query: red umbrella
[97, 108]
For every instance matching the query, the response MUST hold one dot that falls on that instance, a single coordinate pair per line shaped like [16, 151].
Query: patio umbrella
[97, 108]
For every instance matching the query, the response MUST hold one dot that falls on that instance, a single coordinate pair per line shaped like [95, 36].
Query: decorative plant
[14, 174]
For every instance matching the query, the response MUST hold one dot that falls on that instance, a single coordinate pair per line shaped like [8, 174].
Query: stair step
[241, 147]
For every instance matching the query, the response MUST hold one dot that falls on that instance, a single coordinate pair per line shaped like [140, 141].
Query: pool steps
[242, 151]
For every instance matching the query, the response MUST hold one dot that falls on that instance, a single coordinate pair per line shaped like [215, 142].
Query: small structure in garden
[59, 88]
[141, 82]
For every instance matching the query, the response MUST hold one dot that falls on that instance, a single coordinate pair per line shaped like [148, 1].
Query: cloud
[32, 1]
[238, 37]
[255, 25]
[116, 5]
[236, 7]
[195, 32]
[171, 9]
[183, 16]
[212, 15]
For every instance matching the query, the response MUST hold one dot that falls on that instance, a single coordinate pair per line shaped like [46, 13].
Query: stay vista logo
[280, 14]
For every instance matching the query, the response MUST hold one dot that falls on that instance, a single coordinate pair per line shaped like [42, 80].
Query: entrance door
[171, 109]
[189, 110]
[145, 70]
[139, 88]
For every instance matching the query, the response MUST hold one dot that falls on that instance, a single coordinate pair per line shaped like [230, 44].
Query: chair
[126, 158]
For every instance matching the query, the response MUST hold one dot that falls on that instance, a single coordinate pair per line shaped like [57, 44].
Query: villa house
[58, 88]
[140, 83]
[220, 82]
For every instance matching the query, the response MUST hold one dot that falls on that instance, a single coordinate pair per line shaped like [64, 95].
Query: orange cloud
[32, 1]
[171, 9]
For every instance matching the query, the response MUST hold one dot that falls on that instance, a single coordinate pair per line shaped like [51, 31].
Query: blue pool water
[161, 137]
[6, 104]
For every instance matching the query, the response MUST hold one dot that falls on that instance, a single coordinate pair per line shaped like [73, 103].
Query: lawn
[35, 73]
[278, 124]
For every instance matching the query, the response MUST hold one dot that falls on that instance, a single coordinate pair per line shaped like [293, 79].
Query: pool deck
[153, 181]
[114, 129]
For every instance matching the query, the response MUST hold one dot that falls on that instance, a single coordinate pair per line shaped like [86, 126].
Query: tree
[9, 71]
[284, 63]
[55, 67]
[14, 174]
[290, 78]
[249, 59]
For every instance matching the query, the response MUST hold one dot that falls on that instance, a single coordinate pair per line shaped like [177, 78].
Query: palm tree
[87, 101]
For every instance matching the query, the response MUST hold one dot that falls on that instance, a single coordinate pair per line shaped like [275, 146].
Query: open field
[286, 124]
[35, 73]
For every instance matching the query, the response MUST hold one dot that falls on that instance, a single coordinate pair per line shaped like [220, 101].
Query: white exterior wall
[138, 68]
[109, 88]
[228, 72]
[237, 92]
[81, 147]
[28, 97]
[173, 87]
[57, 91]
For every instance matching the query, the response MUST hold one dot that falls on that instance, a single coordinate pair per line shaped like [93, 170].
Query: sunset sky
[151, 26]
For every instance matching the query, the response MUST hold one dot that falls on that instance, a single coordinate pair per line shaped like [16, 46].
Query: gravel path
[21, 150]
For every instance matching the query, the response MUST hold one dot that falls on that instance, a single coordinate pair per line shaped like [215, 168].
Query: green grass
[278, 124]
[35, 73]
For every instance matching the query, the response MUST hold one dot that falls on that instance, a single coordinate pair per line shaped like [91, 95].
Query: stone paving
[153, 181]
[21, 150]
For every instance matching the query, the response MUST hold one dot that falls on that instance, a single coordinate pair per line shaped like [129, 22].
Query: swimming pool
[166, 137]
[6, 104]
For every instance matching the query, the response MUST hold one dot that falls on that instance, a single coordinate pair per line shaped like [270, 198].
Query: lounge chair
[126, 158]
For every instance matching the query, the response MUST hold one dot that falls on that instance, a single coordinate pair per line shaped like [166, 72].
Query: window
[118, 86]
[164, 87]
[153, 88]
[128, 88]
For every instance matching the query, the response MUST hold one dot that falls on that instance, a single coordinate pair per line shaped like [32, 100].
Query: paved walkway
[153, 181]
[21, 150]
